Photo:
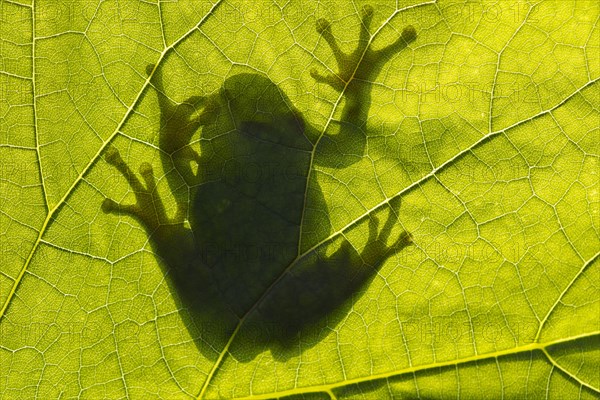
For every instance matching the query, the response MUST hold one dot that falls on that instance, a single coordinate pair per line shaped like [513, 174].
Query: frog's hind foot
[363, 62]
[377, 251]
[404, 239]
[148, 208]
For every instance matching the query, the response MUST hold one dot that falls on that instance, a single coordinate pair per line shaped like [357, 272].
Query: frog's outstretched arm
[356, 72]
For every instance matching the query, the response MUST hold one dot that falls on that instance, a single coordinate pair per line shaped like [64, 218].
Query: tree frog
[232, 250]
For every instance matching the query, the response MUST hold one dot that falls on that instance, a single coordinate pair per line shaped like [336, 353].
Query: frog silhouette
[231, 253]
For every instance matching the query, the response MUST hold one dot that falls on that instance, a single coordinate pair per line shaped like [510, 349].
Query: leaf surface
[486, 128]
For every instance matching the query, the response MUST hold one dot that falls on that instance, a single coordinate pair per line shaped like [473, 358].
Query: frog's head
[254, 97]
[258, 108]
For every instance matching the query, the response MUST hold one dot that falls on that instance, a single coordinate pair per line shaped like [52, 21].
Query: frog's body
[249, 210]
[248, 194]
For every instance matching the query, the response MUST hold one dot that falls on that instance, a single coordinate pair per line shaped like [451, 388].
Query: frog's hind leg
[376, 250]
[171, 240]
[404, 238]
[148, 208]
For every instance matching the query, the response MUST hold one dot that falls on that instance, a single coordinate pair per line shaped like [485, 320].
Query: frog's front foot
[364, 63]
[178, 123]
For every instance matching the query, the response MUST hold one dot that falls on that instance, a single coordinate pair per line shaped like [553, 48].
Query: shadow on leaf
[231, 253]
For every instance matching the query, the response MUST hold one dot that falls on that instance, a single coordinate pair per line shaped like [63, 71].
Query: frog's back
[248, 209]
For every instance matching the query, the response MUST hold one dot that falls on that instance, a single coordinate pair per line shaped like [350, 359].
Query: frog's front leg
[178, 123]
[354, 80]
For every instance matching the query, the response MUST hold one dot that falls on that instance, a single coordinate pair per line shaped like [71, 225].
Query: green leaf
[483, 142]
